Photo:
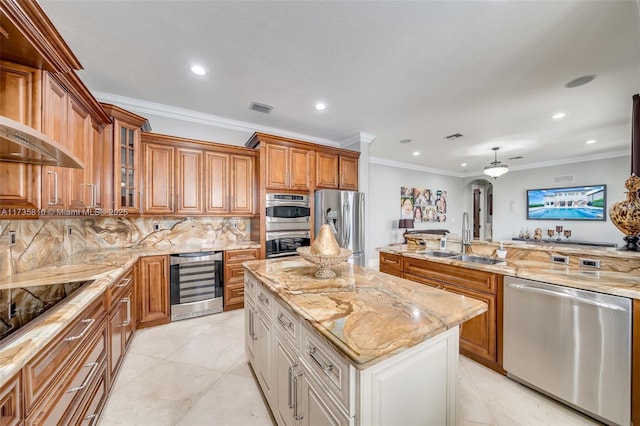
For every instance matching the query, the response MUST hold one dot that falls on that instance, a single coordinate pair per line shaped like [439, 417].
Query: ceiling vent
[519, 157]
[260, 107]
[560, 179]
[453, 136]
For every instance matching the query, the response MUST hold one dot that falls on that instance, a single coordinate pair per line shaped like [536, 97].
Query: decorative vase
[625, 215]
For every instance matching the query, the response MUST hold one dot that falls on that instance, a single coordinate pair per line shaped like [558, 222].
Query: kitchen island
[361, 348]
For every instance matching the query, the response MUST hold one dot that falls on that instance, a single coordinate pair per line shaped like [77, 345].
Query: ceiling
[493, 71]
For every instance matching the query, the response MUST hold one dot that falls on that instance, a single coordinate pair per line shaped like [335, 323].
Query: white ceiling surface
[494, 71]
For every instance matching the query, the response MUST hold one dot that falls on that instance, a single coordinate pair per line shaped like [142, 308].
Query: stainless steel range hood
[23, 144]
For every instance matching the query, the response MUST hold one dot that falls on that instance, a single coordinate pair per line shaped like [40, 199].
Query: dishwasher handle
[567, 296]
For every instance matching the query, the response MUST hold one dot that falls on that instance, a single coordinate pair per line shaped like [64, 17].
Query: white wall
[384, 203]
[512, 188]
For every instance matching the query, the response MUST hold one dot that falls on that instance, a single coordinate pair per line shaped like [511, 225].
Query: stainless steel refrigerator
[344, 211]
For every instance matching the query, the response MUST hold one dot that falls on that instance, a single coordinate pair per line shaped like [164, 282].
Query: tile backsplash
[41, 242]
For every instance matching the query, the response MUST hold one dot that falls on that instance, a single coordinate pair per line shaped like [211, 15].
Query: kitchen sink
[477, 259]
[437, 253]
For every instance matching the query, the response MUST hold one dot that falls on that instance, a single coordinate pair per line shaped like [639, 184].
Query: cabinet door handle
[94, 367]
[314, 356]
[88, 323]
[249, 284]
[290, 385]
[285, 324]
[55, 188]
[296, 414]
[264, 299]
[92, 202]
[127, 300]
[124, 282]
[90, 417]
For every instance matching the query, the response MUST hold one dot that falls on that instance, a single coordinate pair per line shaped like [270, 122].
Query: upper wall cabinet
[189, 177]
[125, 133]
[289, 168]
[39, 88]
[337, 171]
[289, 164]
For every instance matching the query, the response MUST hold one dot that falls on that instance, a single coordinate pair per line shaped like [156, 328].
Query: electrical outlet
[69, 230]
[11, 310]
[12, 238]
[234, 224]
[156, 226]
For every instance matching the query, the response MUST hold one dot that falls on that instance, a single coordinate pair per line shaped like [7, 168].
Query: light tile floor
[194, 372]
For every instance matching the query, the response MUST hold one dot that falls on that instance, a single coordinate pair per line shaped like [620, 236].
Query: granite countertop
[367, 315]
[619, 279]
[101, 266]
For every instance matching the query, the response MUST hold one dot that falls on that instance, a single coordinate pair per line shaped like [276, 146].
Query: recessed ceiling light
[405, 140]
[463, 165]
[591, 141]
[321, 106]
[416, 153]
[198, 70]
[580, 81]
[558, 115]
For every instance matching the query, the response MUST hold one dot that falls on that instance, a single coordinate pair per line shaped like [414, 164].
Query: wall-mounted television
[570, 203]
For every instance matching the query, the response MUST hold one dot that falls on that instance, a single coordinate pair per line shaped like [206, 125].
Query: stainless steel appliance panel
[285, 243]
[574, 345]
[344, 211]
[196, 284]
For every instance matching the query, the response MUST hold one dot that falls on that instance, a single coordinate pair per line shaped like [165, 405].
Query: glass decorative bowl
[324, 261]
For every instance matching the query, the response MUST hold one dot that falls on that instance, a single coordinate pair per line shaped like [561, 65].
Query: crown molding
[145, 107]
[400, 165]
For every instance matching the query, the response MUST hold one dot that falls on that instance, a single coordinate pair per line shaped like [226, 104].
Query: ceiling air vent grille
[559, 179]
[260, 107]
[519, 157]
[453, 136]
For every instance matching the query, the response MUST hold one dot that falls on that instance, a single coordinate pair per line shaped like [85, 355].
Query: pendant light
[496, 169]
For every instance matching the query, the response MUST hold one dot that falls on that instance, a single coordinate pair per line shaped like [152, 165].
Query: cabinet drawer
[250, 285]
[94, 401]
[65, 395]
[233, 273]
[11, 402]
[118, 288]
[239, 256]
[286, 322]
[391, 264]
[44, 368]
[233, 294]
[264, 300]
[449, 274]
[329, 368]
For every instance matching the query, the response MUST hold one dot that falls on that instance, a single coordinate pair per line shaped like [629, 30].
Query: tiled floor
[194, 373]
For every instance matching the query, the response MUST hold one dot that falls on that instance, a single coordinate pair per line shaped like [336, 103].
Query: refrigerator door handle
[346, 225]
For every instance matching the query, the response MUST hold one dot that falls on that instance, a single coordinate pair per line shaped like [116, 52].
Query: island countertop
[365, 314]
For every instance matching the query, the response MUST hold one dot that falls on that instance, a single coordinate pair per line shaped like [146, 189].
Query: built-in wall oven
[196, 284]
[288, 224]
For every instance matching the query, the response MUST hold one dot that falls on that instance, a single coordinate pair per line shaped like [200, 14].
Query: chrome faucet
[466, 233]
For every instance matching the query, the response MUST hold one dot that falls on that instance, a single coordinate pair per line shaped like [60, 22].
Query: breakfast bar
[360, 348]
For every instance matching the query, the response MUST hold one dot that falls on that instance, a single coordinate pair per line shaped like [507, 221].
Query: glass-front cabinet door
[127, 159]
[128, 193]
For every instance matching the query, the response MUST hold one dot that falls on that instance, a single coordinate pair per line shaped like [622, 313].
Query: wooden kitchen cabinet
[158, 178]
[122, 320]
[391, 264]
[233, 276]
[480, 337]
[189, 181]
[20, 96]
[11, 410]
[336, 171]
[125, 131]
[153, 291]
[190, 177]
[57, 379]
[289, 168]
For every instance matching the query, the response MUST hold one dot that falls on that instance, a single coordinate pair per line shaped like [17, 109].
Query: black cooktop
[22, 306]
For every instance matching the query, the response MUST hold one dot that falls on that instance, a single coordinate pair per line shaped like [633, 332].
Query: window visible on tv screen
[572, 203]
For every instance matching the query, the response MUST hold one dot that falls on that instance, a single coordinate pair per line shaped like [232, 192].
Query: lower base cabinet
[307, 382]
[153, 289]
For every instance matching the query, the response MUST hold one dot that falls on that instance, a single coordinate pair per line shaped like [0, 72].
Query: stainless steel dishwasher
[573, 345]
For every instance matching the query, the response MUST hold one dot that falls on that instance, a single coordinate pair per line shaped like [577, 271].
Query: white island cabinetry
[308, 381]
